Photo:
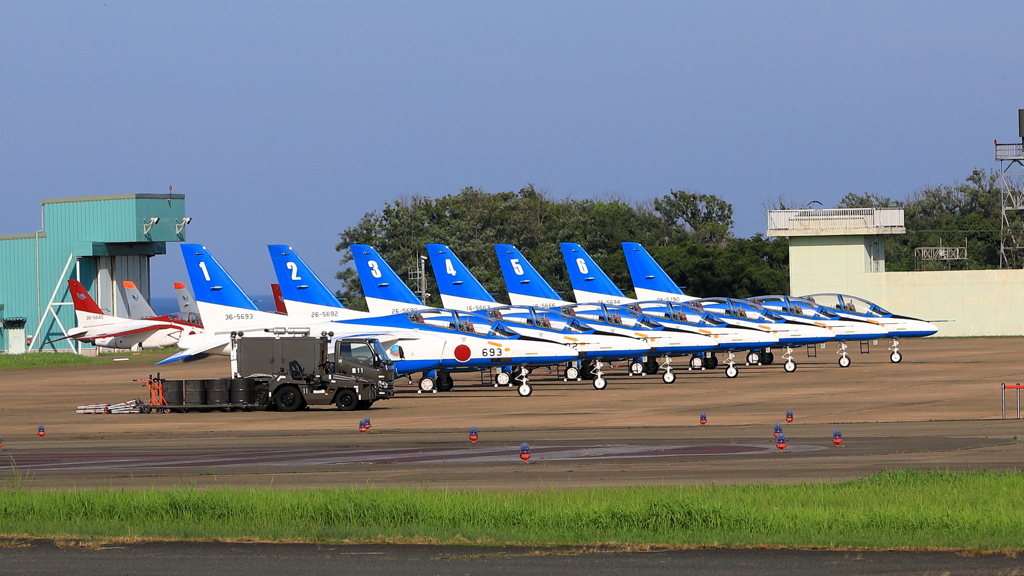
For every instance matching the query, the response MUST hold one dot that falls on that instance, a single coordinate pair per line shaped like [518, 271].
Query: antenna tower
[1011, 184]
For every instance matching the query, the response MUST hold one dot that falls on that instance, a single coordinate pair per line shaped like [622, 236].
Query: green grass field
[48, 360]
[892, 510]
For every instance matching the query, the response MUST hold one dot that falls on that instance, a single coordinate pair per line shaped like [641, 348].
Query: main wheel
[652, 366]
[696, 363]
[668, 377]
[711, 362]
[346, 400]
[896, 357]
[844, 361]
[445, 383]
[636, 368]
[288, 399]
[731, 372]
[790, 366]
[525, 389]
[572, 373]
[502, 378]
[767, 358]
[428, 384]
[753, 357]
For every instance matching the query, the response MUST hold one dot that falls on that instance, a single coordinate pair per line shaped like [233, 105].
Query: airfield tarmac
[938, 409]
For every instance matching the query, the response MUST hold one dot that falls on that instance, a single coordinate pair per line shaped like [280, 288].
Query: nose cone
[909, 328]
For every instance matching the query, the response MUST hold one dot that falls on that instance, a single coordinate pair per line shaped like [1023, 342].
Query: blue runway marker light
[473, 434]
[524, 452]
[778, 430]
[703, 419]
[837, 437]
[789, 416]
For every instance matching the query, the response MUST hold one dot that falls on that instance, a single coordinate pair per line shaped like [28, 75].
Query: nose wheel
[894, 347]
[731, 371]
[790, 365]
[844, 359]
[668, 377]
[524, 384]
[599, 382]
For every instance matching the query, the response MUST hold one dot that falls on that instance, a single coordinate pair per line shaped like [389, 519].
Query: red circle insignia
[462, 353]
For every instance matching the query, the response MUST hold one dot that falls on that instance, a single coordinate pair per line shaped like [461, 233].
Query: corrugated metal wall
[107, 241]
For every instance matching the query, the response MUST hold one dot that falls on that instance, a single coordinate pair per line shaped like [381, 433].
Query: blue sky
[285, 122]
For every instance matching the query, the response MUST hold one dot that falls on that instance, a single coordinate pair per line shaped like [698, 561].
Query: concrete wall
[972, 302]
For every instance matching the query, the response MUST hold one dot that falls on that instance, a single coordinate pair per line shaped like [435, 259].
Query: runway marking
[126, 460]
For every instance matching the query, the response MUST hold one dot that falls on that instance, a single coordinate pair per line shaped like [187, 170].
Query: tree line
[689, 233]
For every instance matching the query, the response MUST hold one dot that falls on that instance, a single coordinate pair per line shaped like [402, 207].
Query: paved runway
[183, 460]
[217, 559]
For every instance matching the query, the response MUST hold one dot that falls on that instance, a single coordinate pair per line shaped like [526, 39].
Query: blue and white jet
[390, 293]
[854, 308]
[620, 314]
[651, 280]
[478, 343]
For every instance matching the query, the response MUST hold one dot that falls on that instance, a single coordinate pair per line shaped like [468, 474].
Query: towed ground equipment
[285, 370]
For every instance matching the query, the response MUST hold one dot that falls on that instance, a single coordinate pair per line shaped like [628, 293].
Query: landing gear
[651, 366]
[767, 358]
[502, 378]
[636, 368]
[790, 365]
[595, 370]
[428, 384]
[731, 371]
[711, 361]
[753, 357]
[572, 373]
[894, 347]
[696, 363]
[668, 377]
[520, 374]
[844, 359]
[445, 382]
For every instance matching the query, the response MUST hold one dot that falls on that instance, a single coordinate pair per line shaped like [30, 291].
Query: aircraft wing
[113, 332]
[195, 350]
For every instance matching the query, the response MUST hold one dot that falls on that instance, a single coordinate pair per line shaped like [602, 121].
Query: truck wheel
[346, 400]
[288, 399]
[364, 404]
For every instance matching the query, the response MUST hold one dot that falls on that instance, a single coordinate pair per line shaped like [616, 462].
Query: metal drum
[242, 391]
[174, 392]
[195, 392]
[217, 391]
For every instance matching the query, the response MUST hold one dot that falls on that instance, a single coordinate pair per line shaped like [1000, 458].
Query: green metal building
[98, 240]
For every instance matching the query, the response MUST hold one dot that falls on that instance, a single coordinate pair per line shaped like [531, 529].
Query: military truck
[292, 371]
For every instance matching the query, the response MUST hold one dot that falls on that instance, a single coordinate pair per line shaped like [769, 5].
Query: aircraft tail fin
[650, 280]
[460, 290]
[278, 299]
[138, 308]
[87, 312]
[223, 305]
[306, 297]
[385, 292]
[589, 282]
[525, 285]
[186, 304]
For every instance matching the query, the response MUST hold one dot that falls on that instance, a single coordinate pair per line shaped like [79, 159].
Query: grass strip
[890, 510]
[49, 359]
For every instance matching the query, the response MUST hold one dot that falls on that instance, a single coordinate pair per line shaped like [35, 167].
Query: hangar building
[98, 240]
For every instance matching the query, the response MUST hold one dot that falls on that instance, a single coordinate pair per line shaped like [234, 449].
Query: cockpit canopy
[847, 303]
[795, 306]
[464, 322]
